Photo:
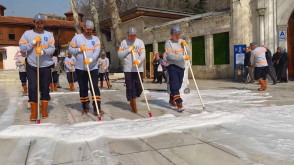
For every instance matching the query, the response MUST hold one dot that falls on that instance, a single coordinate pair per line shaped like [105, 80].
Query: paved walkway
[189, 146]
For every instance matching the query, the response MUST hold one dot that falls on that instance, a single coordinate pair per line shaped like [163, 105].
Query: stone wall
[284, 10]
[272, 19]
[247, 21]
[205, 25]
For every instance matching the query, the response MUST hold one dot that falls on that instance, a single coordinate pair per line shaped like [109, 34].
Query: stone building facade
[200, 32]
[269, 22]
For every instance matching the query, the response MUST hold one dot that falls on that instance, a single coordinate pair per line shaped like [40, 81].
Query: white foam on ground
[121, 128]
[243, 121]
[264, 128]
[216, 100]
[55, 100]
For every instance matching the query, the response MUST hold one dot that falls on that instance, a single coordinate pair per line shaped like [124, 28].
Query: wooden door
[290, 49]
[1, 61]
[151, 65]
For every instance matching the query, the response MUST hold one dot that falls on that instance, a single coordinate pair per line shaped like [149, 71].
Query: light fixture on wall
[261, 11]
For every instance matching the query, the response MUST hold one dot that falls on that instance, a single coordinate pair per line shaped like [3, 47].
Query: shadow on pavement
[120, 105]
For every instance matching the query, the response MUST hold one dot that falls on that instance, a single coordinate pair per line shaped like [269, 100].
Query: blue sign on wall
[239, 56]
[282, 35]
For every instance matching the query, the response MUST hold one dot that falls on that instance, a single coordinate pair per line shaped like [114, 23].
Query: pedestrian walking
[284, 66]
[258, 60]
[270, 68]
[21, 64]
[130, 45]
[164, 63]
[103, 63]
[54, 74]
[158, 68]
[176, 65]
[90, 44]
[28, 43]
[69, 63]
[248, 66]
[277, 63]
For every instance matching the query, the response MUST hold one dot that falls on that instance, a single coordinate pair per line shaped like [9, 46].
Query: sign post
[239, 67]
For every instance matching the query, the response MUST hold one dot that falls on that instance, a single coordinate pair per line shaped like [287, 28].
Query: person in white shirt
[103, 63]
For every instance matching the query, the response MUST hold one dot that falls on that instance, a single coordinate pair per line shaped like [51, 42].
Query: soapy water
[263, 127]
[119, 128]
[243, 117]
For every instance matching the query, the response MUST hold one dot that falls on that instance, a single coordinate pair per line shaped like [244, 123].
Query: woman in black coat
[277, 63]
[284, 66]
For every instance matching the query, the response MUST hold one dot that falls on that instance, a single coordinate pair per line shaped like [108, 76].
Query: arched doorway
[290, 40]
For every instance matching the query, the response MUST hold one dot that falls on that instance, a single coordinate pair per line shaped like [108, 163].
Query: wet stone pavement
[240, 126]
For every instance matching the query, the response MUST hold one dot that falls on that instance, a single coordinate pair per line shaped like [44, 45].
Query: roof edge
[140, 8]
[184, 20]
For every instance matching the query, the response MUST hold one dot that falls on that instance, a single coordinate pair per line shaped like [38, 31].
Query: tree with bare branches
[116, 22]
[75, 16]
[95, 17]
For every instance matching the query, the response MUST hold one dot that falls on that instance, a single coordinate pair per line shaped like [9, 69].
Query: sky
[29, 8]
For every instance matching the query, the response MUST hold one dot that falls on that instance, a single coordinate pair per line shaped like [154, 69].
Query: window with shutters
[161, 47]
[11, 35]
[198, 50]
[221, 43]
[148, 48]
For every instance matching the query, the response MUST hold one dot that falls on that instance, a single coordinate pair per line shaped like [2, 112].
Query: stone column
[275, 26]
[209, 50]
[241, 26]
[155, 46]
[270, 25]
[261, 13]
[189, 45]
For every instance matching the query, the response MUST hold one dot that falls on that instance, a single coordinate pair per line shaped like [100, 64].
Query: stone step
[9, 79]
[9, 76]
[116, 76]
[8, 72]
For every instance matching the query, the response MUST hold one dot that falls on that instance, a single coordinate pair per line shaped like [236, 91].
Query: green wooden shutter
[221, 43]
[161, 47]
[148, 48]
[198, 49]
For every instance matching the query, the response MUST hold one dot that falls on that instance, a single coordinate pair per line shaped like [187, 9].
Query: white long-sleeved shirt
[175, 53]
[123, 53]
[20, 63]
[67, 64]
[55, 62]
[258, 57]
[47, 44]
[92, 51]
[103, 63]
